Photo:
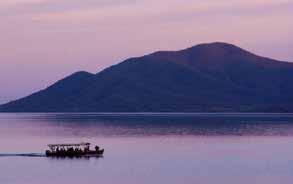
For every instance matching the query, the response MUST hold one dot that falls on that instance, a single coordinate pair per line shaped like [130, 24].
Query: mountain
[214, 77]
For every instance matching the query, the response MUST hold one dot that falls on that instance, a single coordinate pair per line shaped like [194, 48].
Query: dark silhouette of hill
[215, 77]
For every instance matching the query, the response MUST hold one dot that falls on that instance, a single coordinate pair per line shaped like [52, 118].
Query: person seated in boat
[70, 149]
[86, 149]
[57, 150]
[62, 150]
[97, 148]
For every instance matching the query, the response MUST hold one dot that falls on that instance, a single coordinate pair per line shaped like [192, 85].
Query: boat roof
[72, 144]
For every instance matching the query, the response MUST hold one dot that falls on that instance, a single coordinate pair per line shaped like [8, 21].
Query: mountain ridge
[215, 77]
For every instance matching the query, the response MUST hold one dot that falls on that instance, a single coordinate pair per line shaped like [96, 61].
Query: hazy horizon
[43, 41]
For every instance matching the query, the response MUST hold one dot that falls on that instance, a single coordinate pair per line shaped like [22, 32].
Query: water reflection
[200, 148]
[159, 124]
[75, 158]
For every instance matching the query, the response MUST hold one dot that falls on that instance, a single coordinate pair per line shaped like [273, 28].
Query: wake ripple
[22, 155]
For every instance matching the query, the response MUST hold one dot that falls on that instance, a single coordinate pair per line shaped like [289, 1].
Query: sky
[42, 41]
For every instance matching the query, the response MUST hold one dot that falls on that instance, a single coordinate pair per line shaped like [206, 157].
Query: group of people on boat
[73, 150]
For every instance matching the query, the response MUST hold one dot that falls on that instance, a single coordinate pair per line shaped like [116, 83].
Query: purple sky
[42, 41]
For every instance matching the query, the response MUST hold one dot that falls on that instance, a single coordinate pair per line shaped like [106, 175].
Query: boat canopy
[52, 146]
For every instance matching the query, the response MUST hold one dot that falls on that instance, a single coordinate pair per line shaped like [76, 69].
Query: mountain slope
[216, 77]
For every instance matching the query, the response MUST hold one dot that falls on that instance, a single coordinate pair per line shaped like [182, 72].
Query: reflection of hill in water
[162, 124]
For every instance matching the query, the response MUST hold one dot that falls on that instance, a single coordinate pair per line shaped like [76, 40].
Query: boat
[73, 150]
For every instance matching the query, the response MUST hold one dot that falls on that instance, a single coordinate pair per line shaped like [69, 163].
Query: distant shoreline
[158, 113]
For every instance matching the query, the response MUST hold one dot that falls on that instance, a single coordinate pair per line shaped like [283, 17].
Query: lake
[150, 148]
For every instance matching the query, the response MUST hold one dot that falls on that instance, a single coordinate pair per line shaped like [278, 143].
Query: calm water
[152, 148]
